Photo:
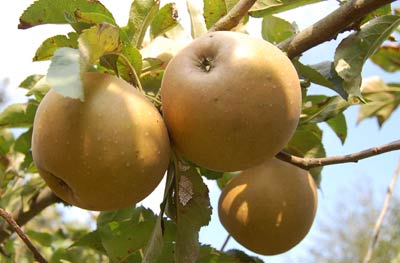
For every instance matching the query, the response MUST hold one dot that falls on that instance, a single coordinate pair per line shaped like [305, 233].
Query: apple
[105, 153]
[269, 208]
[230, 101]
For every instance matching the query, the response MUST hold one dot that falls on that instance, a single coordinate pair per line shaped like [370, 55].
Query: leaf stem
[131, 68]
[308, 163]
[225, 242]
[10, 220]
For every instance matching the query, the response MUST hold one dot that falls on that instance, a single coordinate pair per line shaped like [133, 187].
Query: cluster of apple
[230, 102]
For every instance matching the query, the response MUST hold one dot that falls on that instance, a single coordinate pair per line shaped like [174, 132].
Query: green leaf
[30, 81]
[323, 74]
[165, 19]
[307, 142]
[97, 41]
[151, 81]
[213, 11]
[209, 174]
[226, 177]
[141, 15]
[23, 142]
[91, 240]
[242, 257]
[382, 100]
[197, 22]
[126, 231]
[209, 254]
[264, 8]
[19, 115]
[193, 212]
[276, 30]
[319, 108]
[339, 126]
[65, 73]
[93, 18]
[6, 140]
[124, 67]
[40, 89]
[388, 57]
[354, 50]
[44, 239]
[50, 45]
[53, 11]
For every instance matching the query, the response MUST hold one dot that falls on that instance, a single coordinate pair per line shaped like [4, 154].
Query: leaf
[53, 11]
[307, 142]
[124, 66]
[197, 22]
[97, 41]
[6, 140]
[242, 257]
[30, 81]
[264, 8]
[193, 212]
[226, 177]
[322, 74]
[44, 239]
[141, 15]
[40, 89]
[50, 45]
[18, 115]
[165, 19]
[388, 57]
[354, 50]
[276, 30]
[319, 108]
[209, 254]
[382, 100]
[209, 174]
[124, 232]
[23, 142]
[65, 73]
[339, 126]
[213, 11]
[90, 240]
[93, 18]
[151, 81]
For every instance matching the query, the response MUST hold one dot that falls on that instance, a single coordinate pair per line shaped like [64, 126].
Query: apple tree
[139, 53]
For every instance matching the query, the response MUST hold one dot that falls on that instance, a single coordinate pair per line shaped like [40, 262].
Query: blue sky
[18, 46]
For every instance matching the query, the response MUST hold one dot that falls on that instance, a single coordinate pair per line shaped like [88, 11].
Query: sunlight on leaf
[354, 50]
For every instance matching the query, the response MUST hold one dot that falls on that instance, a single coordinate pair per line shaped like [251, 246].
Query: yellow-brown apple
[105, 153]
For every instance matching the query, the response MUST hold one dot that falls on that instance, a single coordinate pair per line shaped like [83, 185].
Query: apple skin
[269, 208]
[105, 153]
[230, 101]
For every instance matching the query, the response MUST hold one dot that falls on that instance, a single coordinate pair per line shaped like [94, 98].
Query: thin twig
[4, 214]
[308, 163]
[385, 207]
[22, 216]
[233, 17]
[342, 19]
[225, 242]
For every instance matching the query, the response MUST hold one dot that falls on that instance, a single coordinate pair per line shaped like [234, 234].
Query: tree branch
[233, 17]
[43, 200]
[308, 163]
[342, 19]
[378, 223]
[10, 220]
